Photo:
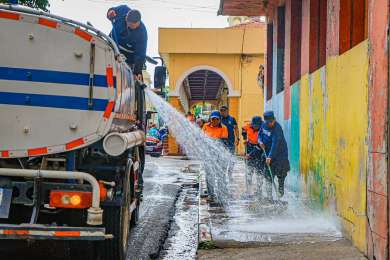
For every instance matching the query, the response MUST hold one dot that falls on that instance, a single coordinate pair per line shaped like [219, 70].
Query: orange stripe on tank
[108, 110]
[15, 232]
[74, 144]
[67, 233]
[37, 151]
[10, 16]
[83, 34]
[47, 22]
[110, 77]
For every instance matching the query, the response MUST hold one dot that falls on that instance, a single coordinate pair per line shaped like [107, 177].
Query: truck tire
[134, 196]
[117, 222]
[135, 216]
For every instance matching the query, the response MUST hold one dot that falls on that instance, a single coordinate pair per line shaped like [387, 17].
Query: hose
[269, 170]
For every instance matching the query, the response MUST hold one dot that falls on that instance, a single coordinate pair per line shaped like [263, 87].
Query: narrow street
[167, 228]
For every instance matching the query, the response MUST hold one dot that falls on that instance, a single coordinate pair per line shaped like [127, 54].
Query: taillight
[70, 199]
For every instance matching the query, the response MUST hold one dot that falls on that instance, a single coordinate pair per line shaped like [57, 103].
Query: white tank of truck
[71, 134]
[63, 85]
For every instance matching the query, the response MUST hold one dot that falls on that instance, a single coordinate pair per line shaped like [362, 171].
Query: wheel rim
[125, 226]
[125, 215]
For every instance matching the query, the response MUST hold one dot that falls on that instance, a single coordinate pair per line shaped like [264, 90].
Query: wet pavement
[168, 216]
[338, 250]
[247, 218]
[247, 228]
[183, 235]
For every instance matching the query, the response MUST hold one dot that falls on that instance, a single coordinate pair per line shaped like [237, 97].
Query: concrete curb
[204, 225]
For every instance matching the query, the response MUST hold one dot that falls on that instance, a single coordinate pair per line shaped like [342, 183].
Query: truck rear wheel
[134, 216]
[117, 223]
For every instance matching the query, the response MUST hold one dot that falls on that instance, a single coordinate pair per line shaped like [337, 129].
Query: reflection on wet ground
[247, 218]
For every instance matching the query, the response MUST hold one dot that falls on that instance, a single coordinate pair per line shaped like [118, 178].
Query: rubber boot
[281, 186]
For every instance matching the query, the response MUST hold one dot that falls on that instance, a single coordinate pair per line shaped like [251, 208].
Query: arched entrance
[202, 89]
[225, 52]
[209, 76]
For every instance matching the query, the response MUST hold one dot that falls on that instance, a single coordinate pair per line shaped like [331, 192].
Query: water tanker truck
[71, 134]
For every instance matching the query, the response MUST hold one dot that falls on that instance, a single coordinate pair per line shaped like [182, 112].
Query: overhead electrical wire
[174, 5]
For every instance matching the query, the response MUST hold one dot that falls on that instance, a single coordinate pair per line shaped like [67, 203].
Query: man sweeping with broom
[273, 143]
[253, 154]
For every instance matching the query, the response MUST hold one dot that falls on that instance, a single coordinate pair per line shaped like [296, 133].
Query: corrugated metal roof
[203, 85]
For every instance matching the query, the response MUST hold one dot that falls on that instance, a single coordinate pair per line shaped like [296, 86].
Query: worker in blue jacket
[129, 33]
[272, 140]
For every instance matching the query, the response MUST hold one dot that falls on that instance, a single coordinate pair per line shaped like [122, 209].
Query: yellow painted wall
[212, 40]
[180, 63]
[333, 133]
[172, 145]
[251, 102]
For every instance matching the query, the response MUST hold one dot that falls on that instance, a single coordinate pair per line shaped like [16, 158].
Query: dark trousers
[276, 172]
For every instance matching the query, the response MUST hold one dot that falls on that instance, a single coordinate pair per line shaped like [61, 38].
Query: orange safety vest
[219, 132]
[252, 134]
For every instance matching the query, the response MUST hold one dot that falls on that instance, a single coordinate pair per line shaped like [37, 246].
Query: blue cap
[269, 115]
[256, 121]
[133, 16]
[215, 114]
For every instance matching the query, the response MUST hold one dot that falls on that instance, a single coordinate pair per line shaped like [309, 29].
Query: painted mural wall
[327, 136]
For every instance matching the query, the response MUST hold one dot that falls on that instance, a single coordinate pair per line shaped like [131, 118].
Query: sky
[155, 14]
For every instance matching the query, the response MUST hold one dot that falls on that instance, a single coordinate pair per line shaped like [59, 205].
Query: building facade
[327, 78]
[217, 67]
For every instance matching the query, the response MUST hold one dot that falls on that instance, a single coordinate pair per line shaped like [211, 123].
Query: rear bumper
[42, 232]
[153, 149]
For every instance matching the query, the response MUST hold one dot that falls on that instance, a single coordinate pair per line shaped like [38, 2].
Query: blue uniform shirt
[153, 132]
[133, 40]
[230, 122]
[274, 141]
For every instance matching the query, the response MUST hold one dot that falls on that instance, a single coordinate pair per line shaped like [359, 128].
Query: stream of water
[247, 218]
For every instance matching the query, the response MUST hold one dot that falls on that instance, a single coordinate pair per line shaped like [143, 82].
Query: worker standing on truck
[253, 154]
[273, 142]
[217, 131]
[129, 33]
